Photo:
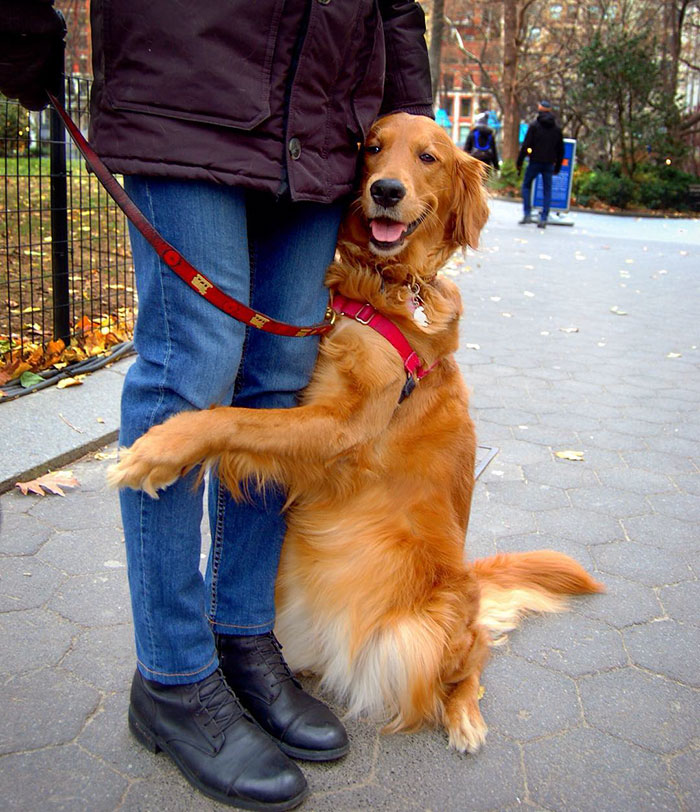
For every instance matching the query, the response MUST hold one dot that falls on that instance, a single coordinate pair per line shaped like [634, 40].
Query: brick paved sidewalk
[596, 709]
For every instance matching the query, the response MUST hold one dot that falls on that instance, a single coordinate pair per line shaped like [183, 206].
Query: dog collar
[364, 313]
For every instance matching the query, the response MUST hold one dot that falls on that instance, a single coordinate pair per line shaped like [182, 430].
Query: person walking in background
[237, 127]
[544, 147]
[481, 142]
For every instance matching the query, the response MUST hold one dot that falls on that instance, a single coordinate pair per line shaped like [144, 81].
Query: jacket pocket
[209, 63]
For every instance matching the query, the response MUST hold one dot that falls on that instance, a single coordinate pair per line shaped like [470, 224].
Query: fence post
[59, 225]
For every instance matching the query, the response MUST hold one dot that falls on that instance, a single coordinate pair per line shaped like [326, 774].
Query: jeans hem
[178, 677]
[235, 628]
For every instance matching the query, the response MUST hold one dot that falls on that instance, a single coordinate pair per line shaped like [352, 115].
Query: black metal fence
[65, 264]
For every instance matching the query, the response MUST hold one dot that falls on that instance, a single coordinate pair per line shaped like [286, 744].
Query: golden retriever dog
[374, 593]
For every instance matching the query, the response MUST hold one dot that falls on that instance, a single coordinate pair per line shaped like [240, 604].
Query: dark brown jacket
[266, 94]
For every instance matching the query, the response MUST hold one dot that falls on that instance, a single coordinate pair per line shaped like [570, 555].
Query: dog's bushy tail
[513, 584]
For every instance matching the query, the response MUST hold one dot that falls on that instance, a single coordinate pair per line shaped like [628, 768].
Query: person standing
[481, 142]
[237, 128]
[543, 145]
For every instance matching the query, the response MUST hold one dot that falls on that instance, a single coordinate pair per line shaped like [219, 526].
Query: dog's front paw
[160, 457]
[466, 729]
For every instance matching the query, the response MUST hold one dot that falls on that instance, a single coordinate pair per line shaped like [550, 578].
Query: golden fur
[374, 594]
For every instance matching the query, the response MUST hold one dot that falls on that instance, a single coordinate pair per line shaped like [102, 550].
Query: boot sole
[154, 744]
[311, 755]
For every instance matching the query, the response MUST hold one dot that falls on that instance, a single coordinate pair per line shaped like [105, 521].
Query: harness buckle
[358, 315]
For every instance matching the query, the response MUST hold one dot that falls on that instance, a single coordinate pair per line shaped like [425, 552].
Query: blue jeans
[535, 168]
[273, 256]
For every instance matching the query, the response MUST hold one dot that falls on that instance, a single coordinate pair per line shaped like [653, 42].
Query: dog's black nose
[387, 192]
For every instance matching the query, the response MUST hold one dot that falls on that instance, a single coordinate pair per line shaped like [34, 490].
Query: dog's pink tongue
[386, 230]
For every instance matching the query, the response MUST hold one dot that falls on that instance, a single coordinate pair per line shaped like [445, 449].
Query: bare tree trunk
[437, 26]
[511, 111]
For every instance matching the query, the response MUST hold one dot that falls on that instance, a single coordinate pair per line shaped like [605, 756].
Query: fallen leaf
[480, 693]
[100, 419]
[64, 383]
[618, 311]
[495, 298]
[54, 481]
[473, 346]
[28, 379]
[528, 293]
[545, 256]
[507, 315]
[674, 355]
[106, 455]
[568, 329]
[574, 456]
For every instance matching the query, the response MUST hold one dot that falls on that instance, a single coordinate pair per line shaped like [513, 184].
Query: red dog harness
[366, 314]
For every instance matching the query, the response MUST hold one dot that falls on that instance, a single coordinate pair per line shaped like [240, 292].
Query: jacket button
[294, 147]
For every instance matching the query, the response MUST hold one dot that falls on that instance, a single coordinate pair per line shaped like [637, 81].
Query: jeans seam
[151, 420]
[216, 553]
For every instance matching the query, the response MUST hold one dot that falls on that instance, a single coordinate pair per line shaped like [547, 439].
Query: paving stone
[688, 482]
[20, 533]
[561, 474]
[637, 481]
[681, 601]
[657, 461]
[106, 735]
[365, 796]
[625, 603]
[609, 501]
[522, 453]
[530, 496]
[464, 780]
[584, 526]
[546, 436]
[64, 779]
[79, 511]
[682, 506]
[27, 583]
[104, 657]
[641, 708]
[639, 562]
[503, 520]
[65, 550]
[33, 639]
[44, 708]
[94, 599]
[685, 769]
[570, 644]
[668, 647]
[544, 702]
[676, 536]
[588, 771]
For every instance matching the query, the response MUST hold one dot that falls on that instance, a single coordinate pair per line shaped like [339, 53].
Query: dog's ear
[470, 207]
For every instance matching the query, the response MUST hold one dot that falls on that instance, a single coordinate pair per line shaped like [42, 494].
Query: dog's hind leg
[461, 717]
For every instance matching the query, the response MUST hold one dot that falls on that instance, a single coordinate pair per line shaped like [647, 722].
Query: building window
[465, 107]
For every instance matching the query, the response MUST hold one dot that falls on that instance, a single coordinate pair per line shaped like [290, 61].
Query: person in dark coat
[543, 145]
[481, 142]
[237, 127]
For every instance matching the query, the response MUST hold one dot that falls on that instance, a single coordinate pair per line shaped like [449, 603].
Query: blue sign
[561, 183]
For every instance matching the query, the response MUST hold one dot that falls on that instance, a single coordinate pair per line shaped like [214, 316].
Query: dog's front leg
[315, 432]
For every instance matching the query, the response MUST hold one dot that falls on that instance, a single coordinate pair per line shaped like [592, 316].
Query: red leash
[361, 312]
[170, 255]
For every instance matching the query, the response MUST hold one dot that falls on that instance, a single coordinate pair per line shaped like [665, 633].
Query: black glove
[31, 51]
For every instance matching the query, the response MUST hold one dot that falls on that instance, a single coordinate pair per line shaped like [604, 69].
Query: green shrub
[605, 186]
[507, 179]
[663, 187]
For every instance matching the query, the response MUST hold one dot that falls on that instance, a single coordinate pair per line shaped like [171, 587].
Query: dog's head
[421, 197]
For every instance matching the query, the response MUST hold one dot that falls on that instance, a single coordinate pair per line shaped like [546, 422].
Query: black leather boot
[302, 726]
[215, 744]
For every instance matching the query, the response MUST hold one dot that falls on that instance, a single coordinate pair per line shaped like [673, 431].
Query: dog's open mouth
[387, 234]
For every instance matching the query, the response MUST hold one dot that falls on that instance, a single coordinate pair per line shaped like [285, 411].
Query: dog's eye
[427, 158]
[373, 149]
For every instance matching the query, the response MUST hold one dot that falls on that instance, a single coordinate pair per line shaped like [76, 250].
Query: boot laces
[277, 667]
[219, 701]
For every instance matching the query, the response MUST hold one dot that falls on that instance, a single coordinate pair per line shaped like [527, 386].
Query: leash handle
[170, 255]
